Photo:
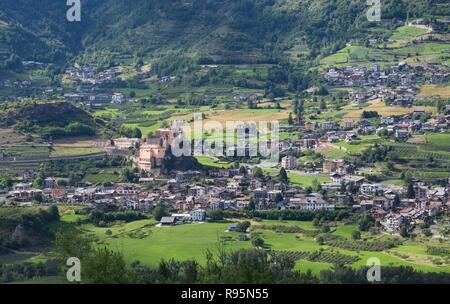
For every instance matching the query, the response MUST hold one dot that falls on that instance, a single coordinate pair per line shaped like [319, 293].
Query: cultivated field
[382, 109]
[406, 33]
[432, 90]
[142, 241]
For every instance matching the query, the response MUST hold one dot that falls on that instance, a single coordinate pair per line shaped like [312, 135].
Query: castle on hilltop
[153, 153]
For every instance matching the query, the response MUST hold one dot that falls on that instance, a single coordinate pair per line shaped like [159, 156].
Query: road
[49, 159]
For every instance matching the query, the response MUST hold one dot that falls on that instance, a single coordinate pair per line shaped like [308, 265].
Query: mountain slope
[217, 30]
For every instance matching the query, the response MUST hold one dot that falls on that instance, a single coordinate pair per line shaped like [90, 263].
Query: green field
[439, 141]
[102, 177]
[299, 179]
[210, 162]
[27, 151]
[111, 113]
[179, 242]
[142, 241]
[74, 151]
[390, 54]
[406, 33]
[395, 182]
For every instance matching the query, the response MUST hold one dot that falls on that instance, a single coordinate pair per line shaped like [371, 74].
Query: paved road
[49, 159]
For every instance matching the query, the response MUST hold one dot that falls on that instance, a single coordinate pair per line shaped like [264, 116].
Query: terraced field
[421, 152]
[406, 33]
[26, 151]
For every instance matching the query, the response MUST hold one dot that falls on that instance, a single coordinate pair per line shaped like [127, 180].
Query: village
[191, 193]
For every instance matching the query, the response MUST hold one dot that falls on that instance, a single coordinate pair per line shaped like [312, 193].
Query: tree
[316, 222]
[258, 173]
[283, 176]
[325, 229]
[242, 170]
[137, 133]
[62, 182]
[322, 91]
[278, 198]
[323, 105]
[72, 243]
[159, 212]
[320, 240]
[407, 177]
[365, 222]
[290, 120]
[356, 235]
[39, 180]
[257, 242]
[6, 182]
[404, 231]
[215, 215]
[128, 176]
[252, 204]
[74, 179]
[427, 232]
[397, 201]
[316, 187]
[299, 107]
[243, 226]
[105, 266]
[411, 193]
[370, 114]
[53, 213]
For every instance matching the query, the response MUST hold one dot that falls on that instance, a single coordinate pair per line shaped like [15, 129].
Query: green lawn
[110, 112]
[396, 182]
[207, 161]
[298, 179]
[100, 178]
[359, 145]
[306, 180]
[74, 151]
[345, 230]
[406, 33]
[180, 242]
[144, 128]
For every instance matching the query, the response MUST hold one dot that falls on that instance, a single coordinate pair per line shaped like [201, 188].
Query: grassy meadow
[141, 240]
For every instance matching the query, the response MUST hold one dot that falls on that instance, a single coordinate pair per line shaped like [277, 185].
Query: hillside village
[362, 130]
[248, 188]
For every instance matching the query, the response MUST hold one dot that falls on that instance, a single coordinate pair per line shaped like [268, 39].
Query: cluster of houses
[21, 84]
[234, 190]
[397, 86]
[90, 88]
[91, 75]
[96, 99]
[401, 127]
[391, 206]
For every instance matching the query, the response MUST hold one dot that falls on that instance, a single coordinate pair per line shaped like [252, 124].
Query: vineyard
[440, 251]
[363, 245]
[317, 256]
[290, 229]
[423, 153]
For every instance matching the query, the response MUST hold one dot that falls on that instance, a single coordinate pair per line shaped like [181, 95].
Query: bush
[356, 235]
